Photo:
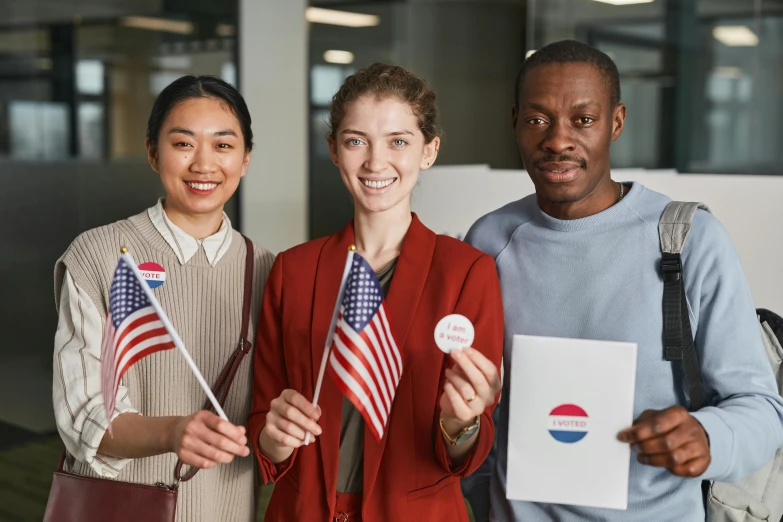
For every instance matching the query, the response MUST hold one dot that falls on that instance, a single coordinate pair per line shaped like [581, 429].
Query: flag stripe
[138, 319]
[378, 327]
[140, 354]
[359, 385]
[356, 395]
[361, 362]
[133, 341]
[160, 342]
[140, 337]
[390, 337]
[354, 366]
[372, 335]
[359, 347]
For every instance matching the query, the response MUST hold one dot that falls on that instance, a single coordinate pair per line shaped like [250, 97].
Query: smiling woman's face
[380, 149]
[200, 155]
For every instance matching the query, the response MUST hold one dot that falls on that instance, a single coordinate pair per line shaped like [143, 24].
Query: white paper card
[569, 400]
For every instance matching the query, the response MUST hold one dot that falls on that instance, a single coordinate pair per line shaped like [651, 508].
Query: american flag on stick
[136, 326]
[363, 357]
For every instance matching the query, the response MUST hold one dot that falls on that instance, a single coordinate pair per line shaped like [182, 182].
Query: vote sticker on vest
[454, 332]
[153, 273]
[568, 423]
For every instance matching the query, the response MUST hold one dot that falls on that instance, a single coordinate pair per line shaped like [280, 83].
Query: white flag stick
[330, 335]
[174, 335]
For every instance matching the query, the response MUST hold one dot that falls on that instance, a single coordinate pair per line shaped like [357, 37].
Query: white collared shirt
[78, 402]
[185, 246]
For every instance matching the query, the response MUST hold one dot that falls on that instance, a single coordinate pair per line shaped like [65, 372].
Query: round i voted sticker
[153, 273]
[453, 332]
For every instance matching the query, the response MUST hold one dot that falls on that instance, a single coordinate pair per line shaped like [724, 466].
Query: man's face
[564, 127]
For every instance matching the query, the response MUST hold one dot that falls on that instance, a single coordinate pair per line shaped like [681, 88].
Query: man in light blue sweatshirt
[579, 259]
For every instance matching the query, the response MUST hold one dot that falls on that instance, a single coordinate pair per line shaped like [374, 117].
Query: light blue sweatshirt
[598, 278]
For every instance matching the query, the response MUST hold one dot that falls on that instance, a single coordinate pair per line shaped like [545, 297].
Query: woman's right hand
[204, 440]
[290, 417]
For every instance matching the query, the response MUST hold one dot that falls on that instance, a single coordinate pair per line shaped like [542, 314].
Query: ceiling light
[735, 36]
[529, 53]
[734, 73]
[318, 15]
[343, 57]
[625, 2]
[158, 24]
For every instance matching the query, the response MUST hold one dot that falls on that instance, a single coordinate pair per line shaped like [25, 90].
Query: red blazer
[408, 476]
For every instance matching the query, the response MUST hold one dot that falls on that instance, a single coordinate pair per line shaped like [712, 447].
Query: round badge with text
[453, 332]
[568, 423]
[153, 273]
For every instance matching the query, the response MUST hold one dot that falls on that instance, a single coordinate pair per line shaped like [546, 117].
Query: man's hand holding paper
[671, 439]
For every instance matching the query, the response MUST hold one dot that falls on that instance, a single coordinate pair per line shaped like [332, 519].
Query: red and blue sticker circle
[568, 423]
[153, 273]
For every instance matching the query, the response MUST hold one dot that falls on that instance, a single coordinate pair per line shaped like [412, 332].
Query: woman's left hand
[471, 386]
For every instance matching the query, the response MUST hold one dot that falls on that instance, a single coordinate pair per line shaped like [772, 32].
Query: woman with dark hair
[199, 141]
[384, 131]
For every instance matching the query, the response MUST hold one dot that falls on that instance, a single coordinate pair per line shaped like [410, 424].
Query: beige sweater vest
[204, 304]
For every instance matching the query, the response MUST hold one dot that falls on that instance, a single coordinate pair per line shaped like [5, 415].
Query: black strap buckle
[671, 267]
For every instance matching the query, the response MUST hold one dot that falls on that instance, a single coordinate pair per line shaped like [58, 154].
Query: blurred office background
[702, 79]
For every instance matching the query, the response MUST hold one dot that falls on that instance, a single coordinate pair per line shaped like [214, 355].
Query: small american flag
[133, 331]
[365, 361]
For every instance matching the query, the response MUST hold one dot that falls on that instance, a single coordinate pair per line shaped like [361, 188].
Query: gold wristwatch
[464, 434]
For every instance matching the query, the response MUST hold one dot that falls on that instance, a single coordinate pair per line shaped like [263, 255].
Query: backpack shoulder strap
[675, 223]
[673, 228]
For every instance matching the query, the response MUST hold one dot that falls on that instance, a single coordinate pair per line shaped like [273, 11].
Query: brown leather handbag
[74, 498]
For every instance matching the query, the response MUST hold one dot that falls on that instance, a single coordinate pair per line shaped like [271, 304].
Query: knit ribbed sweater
[204, 304]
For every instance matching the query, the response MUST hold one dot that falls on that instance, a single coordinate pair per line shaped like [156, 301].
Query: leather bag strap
[226, 378]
